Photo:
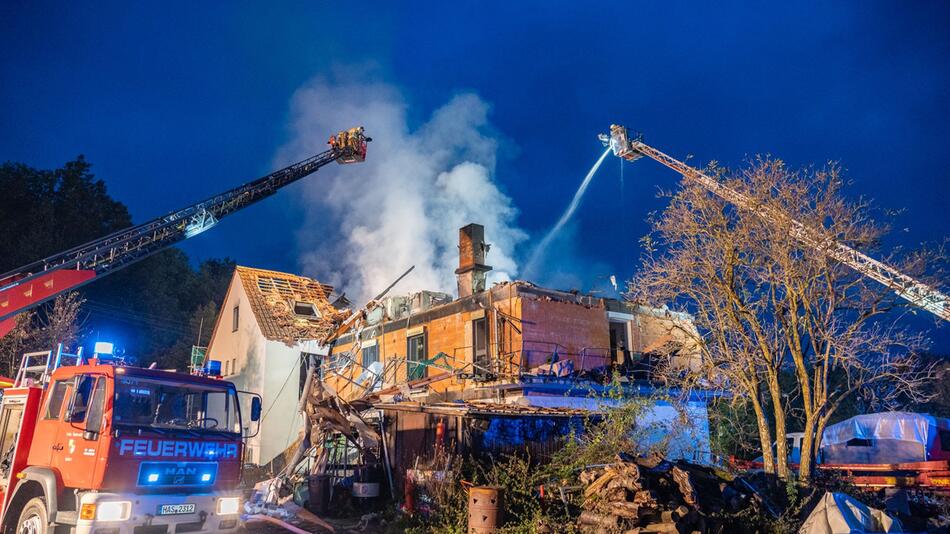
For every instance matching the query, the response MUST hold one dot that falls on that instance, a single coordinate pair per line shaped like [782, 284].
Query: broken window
[307, 359]
[480, 345]
[370, 355]
[235, 318]
[416, 352]
[306, 309]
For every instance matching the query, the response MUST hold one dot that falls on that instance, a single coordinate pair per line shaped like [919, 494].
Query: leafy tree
[148, 307]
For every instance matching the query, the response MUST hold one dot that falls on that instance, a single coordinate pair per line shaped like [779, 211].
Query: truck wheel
[33, 518]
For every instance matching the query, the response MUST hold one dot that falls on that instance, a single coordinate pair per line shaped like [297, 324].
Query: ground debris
[646, 496]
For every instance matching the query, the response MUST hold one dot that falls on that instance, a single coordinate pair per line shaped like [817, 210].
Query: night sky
[173, 102]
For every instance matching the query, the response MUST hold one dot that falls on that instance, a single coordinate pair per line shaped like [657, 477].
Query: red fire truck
[93, 446]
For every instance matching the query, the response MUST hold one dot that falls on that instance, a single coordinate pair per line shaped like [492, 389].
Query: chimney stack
[472, 268]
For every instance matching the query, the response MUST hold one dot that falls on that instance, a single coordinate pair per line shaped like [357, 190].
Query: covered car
[886, 438]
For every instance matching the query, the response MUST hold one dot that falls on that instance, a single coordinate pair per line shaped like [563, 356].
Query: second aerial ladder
[911, 290]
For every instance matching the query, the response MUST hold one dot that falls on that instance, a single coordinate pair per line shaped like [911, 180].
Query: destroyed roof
[288, 307]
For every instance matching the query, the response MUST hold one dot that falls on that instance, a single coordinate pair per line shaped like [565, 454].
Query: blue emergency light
[213, 368]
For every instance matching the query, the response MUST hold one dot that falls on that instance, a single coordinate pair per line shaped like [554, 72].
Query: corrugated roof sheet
[289, 307]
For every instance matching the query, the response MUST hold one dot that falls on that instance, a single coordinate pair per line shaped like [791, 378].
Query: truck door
[46, 435]
[80, 433]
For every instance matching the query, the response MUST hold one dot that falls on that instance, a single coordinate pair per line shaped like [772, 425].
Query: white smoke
[368, 222]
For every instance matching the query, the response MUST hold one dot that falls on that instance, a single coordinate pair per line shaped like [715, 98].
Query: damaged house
[270, 326]
[504, 367]
[510, 365]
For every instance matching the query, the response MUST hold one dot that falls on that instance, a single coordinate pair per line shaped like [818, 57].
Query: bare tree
[59, 322]
[17, 341]
[765, 303]
[62, 322]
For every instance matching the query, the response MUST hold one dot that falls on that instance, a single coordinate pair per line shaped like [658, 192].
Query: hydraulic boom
[33, 284]
[909, 289]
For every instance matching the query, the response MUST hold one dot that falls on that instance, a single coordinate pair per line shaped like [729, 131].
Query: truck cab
[110, 449]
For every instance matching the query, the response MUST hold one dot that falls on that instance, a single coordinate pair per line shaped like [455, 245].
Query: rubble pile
[645, 495]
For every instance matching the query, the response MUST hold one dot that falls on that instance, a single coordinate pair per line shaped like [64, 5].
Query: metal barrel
[319, 494]
[485, 509]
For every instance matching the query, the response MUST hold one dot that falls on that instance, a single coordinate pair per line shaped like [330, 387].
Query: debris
[645, 495]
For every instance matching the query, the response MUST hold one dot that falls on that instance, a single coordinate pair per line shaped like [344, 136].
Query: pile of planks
[643, 496]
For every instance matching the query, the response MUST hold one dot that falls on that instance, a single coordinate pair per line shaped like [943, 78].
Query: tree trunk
[808, 451]
[781, 440]
[765, 434]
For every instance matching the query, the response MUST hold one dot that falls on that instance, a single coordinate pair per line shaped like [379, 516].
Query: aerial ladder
[911, 290]
[31, 285]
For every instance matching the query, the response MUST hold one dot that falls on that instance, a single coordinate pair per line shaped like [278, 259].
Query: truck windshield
[166, 404]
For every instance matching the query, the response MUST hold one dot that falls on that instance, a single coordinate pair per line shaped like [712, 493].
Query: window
[57, 395]
[307, 359]
[9, 429]
[306, 309]
[227, 367]
[370, 355]
[858, 442]
[96, 406]
[500, 329]
[165, 404]
[82, 394]
[416, 352]
[235, 318]
[480, 344]
[233, 366]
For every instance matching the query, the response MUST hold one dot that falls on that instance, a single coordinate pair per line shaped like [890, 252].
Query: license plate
[176, 509]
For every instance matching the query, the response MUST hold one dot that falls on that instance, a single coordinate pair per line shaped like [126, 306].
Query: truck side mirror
[255, 408]
[91, 432]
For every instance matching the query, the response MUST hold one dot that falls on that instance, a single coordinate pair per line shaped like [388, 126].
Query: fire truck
[91, 445]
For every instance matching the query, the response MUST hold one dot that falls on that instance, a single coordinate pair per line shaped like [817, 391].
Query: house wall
[245, 347]
[575, 332]
[451, 334]
[260, 366]
[281, 423]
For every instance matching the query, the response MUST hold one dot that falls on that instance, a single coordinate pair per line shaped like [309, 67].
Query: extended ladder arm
[33, 284]
[909, 289]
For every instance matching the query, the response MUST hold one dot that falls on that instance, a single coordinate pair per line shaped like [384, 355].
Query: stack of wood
[644, 496]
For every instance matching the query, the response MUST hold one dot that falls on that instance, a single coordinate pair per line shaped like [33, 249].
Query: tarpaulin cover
[838, 513]
[888, 437]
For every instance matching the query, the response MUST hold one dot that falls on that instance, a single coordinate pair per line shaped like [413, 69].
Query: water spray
[538, 253]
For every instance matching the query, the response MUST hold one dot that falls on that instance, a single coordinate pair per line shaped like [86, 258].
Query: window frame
[375, 350]
[410, 374]
[67, 392]
[235, 317]
[483, 358]
[313, 307]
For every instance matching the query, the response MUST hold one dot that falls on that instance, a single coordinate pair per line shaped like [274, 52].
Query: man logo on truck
[177, 449]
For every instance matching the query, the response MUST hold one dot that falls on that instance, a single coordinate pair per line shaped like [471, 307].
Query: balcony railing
[537, 357]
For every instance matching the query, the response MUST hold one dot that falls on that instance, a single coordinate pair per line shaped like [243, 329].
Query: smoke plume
[368, 222]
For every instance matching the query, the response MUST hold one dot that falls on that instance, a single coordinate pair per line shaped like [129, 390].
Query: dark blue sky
[175, 101]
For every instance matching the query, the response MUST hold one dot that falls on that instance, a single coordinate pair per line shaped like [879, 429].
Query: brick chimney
[472, 268]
